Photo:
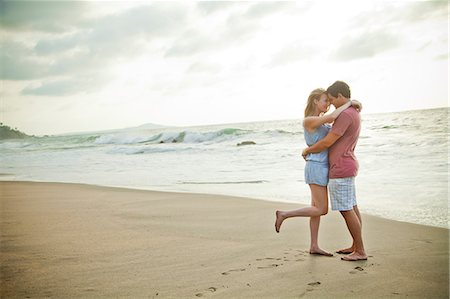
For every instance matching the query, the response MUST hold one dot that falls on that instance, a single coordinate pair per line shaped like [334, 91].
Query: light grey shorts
[316, 173]
[342, 193]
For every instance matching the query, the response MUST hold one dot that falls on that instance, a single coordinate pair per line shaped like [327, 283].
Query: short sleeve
[341, 124]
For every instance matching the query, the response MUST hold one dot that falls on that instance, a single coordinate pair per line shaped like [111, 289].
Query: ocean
[403, 159]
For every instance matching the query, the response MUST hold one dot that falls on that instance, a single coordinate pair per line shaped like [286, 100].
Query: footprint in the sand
[210, 289]
[299, 257]
[273, 265]
[269, 258]
[233, 270]
[296, 255]
[423, 241]
[274, 262]
[316, 283]
[362, 268]
[270, 266]
[311, 287]
[358, 269]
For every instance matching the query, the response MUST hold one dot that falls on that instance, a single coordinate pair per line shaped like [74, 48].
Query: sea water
[403, 160]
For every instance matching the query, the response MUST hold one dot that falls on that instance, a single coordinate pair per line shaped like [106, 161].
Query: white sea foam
[120, 139]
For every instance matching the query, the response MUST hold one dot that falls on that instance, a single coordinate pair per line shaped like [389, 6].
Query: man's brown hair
[339, 87]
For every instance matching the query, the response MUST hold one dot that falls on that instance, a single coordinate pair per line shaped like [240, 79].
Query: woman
[316, 127]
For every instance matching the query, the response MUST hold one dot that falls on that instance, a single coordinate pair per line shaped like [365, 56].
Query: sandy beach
[82, 241]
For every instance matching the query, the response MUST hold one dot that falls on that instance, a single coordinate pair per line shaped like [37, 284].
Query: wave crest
[172, 137]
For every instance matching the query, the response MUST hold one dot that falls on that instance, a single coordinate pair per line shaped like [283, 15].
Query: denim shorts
[316, 173]
[342, 194]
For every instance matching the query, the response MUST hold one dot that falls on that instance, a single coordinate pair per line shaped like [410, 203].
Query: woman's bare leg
[320, 200]
[314, 223]
[303, 212]
[319, 206]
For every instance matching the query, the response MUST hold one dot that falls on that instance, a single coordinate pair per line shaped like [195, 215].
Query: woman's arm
[311, 123]
[357, 105]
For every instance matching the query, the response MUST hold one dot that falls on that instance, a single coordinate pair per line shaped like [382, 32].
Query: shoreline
[201, 193]
[72, 240]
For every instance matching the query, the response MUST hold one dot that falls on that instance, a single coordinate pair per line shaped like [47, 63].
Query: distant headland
[7, 132]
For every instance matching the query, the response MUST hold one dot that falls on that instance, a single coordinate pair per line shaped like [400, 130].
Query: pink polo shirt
[341, 155]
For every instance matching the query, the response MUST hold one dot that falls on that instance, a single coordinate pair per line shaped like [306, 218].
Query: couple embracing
[331, 162]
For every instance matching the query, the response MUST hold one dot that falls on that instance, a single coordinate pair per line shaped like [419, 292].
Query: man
[343, 167]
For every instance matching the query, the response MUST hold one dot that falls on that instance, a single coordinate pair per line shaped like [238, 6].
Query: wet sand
[73, 240]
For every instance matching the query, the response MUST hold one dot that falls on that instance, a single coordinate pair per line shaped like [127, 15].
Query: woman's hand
[357, 105]
[304, 153]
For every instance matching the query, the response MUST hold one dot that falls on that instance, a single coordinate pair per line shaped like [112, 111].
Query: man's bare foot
[279, 220]
[355, 257]
[319, 251]
[346, 250]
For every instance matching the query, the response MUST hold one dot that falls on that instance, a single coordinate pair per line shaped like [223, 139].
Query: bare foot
[279, 220]
[319, 251]
[345, 251]
[355, 257]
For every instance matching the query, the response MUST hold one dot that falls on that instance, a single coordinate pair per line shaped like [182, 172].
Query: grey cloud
[252, 9]
[18, 63]
[12, 47]
[56, 88]
[21, 63]
[443, 56]
[49, 16]
[155, 20]
[366, 45]
[211, 7]
[393, 15]
[380, 22]
[49, 46]
[424, 10]
[202, 67]
[241, 26]
[24, 69]
[80, 62]
[294, 52]
[90, 48]
[237, 29]
[264, 8]
[191, 42]
[115, 35]
[424, 46]
[64, 87]
[79, 49]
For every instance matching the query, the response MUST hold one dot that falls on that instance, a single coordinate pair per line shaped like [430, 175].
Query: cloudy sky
[83, 66]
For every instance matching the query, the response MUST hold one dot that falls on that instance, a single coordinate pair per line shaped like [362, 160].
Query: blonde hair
[310, 105]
